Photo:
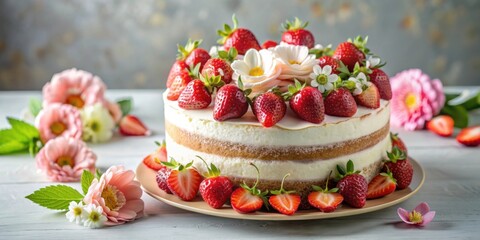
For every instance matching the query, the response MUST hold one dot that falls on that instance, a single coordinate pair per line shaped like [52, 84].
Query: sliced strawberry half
[327, 200]
[155, 159]
[131, 125]
[285, 202]
[441, 125]
[184, 181]
[247, 199]
[381, 185]
[469, 136]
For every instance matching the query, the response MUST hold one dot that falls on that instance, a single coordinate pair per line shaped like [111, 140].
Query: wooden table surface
[452, 188]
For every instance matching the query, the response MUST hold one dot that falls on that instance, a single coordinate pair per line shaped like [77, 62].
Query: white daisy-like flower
[97, 122]
[372, 62]
[75, 212]
[214, 51]
[358, 83]
[322, 78]
[295, 62]
[93, 216]
[258, 70]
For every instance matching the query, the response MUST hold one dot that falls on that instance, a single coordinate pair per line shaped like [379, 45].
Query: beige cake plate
[146, 176]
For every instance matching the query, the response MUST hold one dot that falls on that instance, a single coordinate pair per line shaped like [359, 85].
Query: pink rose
[64, 159]
[59, 120]
[74, 87]
[118, 194]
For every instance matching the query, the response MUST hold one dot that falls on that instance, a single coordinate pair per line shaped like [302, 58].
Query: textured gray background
[132, 44]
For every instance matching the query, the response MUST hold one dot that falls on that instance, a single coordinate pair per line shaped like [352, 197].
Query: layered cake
[289, 108]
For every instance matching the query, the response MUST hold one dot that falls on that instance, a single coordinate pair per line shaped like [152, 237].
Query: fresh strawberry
[155, 159]
[192, 54]
[183, 180]
[221, 66]
[132, 126]
[198, 93]
[215, 189]
[269, 108]
[306, 102]
[381, 185]
[162, 179]
[269, 44]
[441, 125]
[240, 38]
[400, 166]
[381, 80]
[327, 200]
[177, 67]
[247, 199]
[397, 142]
[296, 34]
[369, 97]
[285, 202]
[351, 52]
[469, 136]
[340, 103]
[231, 102]
[352, 185]
[181, 81]
[328, 60]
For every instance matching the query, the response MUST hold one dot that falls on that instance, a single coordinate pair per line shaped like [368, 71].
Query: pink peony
[114, 110]
[64, 159]
[74, 87]
[118, 194]
[59, 120]
[420, 216]
[416, 99]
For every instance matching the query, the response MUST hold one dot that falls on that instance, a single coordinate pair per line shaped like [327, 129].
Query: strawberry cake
[289, 108]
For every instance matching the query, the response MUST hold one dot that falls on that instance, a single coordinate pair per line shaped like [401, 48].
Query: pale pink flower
[416, 99]
[420, 216]
[114, 110]
[64, 159]
[118, 194]
[75, 87]
[57, 120]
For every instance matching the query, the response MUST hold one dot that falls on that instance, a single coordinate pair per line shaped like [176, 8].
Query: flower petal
[403, 214]
[327, 70]
[422, 208]
[427, 218]
[253, 58]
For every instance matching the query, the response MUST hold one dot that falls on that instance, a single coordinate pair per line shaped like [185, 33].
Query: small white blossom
[360, 81]
[75, 212]
[97, 122]
[322, 78]
[93, 216]
[372, 62]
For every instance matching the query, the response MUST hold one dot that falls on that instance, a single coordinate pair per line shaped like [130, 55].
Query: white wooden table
[452, 188]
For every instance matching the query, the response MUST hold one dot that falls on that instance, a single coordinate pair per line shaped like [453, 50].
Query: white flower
[295, 62]
[75, 212]
[358, 83]
[322, 78]
[214, 51]
[93, 216]
[97, 123]
[372, 62]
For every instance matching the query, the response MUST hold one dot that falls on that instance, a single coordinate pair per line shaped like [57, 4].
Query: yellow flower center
[57, 128]
[411, 101]
[322, 79]
[75, 100]
[256, 71]
[415, 217]
[77, 211]
[64, 161]
[293, 62]
[114, 199]
[94, 216]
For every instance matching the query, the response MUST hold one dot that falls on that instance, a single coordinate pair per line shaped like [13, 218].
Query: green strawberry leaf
[24, 128]
[458, 113]
[56, 197]
[35, 105]
[125, 105]
[12, 147]
[87, 178]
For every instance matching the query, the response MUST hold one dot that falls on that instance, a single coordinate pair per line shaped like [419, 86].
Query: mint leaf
[125, 105]
[458, 113]
[24, 128]
[56, 197]
[87, 178]
[12, 147]
[35, 105]
[8, 135]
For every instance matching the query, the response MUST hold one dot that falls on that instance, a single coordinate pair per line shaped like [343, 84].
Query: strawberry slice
[155, 159]
[286, 202]
[441, 125]
[247, 199]
[381, 185]
[184, 181]
[131, 125]
[469, 136]
[327, 200]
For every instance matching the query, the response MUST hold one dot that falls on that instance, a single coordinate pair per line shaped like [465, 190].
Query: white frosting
[247, 130]
[275, 170]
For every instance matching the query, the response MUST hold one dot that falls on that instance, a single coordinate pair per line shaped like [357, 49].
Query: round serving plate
[146, 176]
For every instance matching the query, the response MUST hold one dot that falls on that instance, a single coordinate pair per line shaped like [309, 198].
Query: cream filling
[275, 170]
[290, 131]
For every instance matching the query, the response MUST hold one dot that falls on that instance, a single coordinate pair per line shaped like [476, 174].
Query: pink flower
[114, 110]
[118, 194]
[59, 120]
[74, 87]
[420, 216]
[64, 159]
[416, 99]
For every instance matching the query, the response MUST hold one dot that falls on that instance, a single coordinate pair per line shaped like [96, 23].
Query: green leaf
[458, 113]
[9, 135]
[125, 105]
[87, 178]
[24, 128]
[56, 197]
[35, 105]
[12, 147]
